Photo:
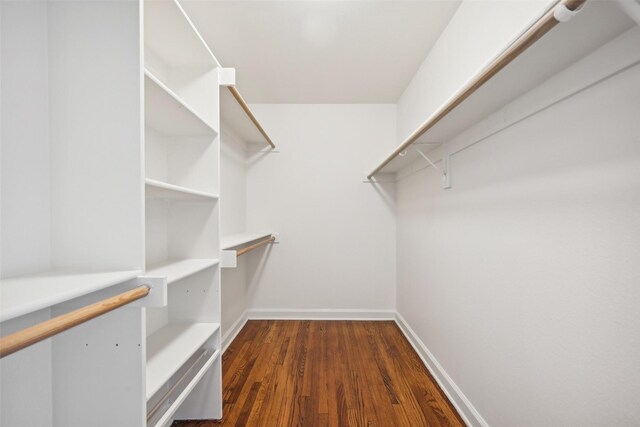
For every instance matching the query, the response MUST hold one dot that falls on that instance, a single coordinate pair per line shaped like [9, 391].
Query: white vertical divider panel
[193, 230]
[25, 168]
[214, 383]
[95, 130]
[195, 298]
[25, 379]
[98, 371]
[191, 162]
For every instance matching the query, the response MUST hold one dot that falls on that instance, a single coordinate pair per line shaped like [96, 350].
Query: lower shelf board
[240, 239]
[178, 269]
[169, 348]
[172, 401]
[155, 189]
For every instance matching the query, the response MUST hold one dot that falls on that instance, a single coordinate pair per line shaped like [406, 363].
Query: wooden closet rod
[34, 334]
[247, 110]
[533, 34]
[255, 246]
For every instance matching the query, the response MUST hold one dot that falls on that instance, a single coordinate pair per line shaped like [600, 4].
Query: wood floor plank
[327, 374]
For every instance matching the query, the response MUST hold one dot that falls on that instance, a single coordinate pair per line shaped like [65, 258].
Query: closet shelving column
[183, 364]
[72, 209]
[240, 125]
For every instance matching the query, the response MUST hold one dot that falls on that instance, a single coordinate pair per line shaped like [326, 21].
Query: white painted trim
[233, 331]
[467, 411]
[321, 314]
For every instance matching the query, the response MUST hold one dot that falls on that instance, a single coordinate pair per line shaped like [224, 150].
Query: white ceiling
[321, 51]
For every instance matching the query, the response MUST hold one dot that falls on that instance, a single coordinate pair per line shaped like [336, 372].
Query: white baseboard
[321, 314]
[464, 407]
[233, 331]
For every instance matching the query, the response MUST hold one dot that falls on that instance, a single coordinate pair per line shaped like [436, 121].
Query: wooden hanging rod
[34, 334]
[266, 241]
[533, 34]
[247, 110]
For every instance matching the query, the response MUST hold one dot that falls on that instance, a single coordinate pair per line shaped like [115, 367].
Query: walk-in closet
[275, 213]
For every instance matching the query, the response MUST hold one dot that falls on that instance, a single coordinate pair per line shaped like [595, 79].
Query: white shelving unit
[114, 183]
[182, 217]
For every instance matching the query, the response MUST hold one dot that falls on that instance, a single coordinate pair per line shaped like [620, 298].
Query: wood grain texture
[327, 373]
[249, 114]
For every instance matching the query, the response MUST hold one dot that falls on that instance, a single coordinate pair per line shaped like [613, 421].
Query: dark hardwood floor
[327, 373]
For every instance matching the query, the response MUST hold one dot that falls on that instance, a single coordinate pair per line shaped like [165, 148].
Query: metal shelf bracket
[445, 170]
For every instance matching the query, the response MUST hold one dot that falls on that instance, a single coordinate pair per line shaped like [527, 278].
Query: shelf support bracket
[446, 171]
[446, 182]
[227, 76]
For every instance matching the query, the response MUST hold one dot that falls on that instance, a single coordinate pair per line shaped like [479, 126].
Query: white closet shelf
[166, 112]
[171, 35]
[171, 347]
[236, 113]
[178, 269]
[170, 412]
[26, 294]
[161, 190]
[240, 239]
[521, 67]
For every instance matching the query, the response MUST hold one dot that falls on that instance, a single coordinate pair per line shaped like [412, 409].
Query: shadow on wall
[256, 262]
[386, 190]
[253, 157]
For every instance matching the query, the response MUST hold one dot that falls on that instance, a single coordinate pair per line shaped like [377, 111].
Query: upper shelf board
[168, 114]
[241, 239]
[235, 113]
[155, 189]
[171, 35]
[597, 23]
[27, 294]
[175, 270]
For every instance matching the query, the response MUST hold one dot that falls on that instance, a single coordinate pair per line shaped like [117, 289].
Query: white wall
[522, 279]
[25, 249]
[476, 34]
[337, 233]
